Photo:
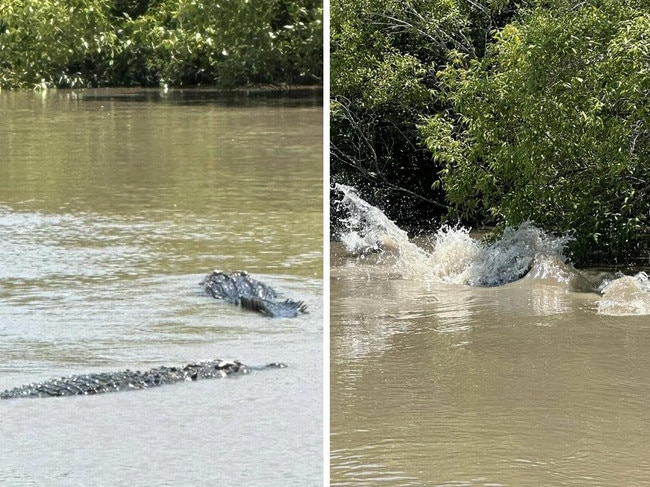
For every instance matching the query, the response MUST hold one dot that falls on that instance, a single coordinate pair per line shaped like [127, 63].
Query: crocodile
[240, 289]
[126, 380]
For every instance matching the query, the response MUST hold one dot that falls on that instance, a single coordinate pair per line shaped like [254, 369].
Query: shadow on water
[241, 98]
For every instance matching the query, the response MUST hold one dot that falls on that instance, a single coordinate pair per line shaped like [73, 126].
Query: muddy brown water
[113, 205]
[527, 384]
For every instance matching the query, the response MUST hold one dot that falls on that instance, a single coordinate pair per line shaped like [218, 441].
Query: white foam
[626, 295]
[458, 258]
[368, 229]
[455, 257]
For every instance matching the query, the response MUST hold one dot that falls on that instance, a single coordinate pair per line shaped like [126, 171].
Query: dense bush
[384, 59]
[55, 43]
[505, 111]
[552, 125]
[122, 42]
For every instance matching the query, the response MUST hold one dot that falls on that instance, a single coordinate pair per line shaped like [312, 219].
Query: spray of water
[625, 295]
[455, 257]
[368, 230]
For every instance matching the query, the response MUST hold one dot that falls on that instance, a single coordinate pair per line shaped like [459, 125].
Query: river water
[447, 369]
[113, 206]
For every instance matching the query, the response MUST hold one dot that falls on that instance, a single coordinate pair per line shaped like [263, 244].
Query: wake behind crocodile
[451, 255]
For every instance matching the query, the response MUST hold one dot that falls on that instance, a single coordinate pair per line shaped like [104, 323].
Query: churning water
[456, 362]
[456, 257]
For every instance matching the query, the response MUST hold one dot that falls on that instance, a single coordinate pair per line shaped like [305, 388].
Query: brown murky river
[436, 382]
[113, 205]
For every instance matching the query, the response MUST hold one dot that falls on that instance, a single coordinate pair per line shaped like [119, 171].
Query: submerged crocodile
[240, 289]
[127, 380]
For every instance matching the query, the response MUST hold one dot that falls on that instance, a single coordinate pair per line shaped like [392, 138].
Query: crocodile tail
[256, 304]
[300, 306]
[284, 309]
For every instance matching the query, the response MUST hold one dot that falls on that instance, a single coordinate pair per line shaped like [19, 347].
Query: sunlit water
[113, 206]
[450, 369]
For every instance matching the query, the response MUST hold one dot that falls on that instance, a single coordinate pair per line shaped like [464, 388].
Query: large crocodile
[127, 380]
[240, 289]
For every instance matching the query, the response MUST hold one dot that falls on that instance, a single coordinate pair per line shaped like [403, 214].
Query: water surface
[439, 380]
[113, 206]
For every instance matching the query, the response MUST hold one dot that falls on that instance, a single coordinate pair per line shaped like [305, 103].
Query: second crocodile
[240, 289]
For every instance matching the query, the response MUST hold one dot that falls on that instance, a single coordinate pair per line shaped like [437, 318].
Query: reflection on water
[113, 206]
[438, 382]
[244, 175]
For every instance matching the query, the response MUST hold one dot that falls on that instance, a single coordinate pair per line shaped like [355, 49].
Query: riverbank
[168, 43]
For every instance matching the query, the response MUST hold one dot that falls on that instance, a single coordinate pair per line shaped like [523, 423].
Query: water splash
[461, 259]
[455, 257]
[366, 225]
[525, 254]
[368, 230]
[625, 295]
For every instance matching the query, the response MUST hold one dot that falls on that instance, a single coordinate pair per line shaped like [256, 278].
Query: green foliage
[532, 109]
[552, 126]
[228, 43]
[54, 43]
[384, 59]
[118, 42]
